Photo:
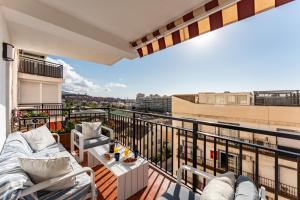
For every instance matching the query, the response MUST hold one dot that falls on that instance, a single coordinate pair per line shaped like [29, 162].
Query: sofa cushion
[221, 188]
[245, 189]
[91, 130]
[39, 138]
[82, 183]
[12, 178]
[93, 142]
[16, 144]
[178, 192]
[42, 169]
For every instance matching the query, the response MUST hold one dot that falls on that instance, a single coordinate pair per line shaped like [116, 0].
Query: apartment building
[154, 103]
[237, 109]
[37, 81]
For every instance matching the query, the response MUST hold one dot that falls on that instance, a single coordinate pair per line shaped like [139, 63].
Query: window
[232, 161]
[220, 100]
[242, 99]
[231, 133]
[231, 99]
[211, 100]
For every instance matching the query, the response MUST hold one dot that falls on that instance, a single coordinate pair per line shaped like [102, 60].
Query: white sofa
[16, 184]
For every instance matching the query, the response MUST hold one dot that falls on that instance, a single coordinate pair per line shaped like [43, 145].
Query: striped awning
[211, 16]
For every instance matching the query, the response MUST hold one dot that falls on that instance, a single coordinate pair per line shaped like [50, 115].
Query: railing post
[69, 115]
[276, 176]
[134, 132]
[257, 167]
[108, 115]
[298, 177]
[195, 139]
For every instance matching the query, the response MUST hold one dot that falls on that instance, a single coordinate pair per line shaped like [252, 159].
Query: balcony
[167, 146]
[33, 66]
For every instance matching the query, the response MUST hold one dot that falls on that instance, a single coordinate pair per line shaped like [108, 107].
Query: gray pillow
[245, 189]
[221, 188]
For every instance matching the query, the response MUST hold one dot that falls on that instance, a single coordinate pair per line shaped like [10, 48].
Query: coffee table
[130, 178]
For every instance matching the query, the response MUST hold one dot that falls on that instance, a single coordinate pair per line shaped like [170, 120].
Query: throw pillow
[221, 188]
[42, 169]
[91, 130]
[245, 189]
[39, 138]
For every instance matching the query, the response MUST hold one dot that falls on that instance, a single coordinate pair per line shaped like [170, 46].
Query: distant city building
[154, 103]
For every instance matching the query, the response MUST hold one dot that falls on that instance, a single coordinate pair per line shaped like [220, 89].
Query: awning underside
[208, 17]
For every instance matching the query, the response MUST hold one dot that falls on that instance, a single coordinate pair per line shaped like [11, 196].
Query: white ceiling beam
[42, 12]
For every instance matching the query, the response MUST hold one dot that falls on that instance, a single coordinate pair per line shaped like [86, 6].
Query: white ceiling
[128, 19]
[95, 30]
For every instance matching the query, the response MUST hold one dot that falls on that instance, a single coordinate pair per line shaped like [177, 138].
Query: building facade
[37, 81]
[243, 113]
[226, 98]
[154, 103]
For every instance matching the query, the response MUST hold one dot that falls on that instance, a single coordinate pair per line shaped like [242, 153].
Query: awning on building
[208, 17]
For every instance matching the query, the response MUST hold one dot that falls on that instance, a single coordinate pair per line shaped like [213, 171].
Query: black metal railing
[57, 120]
[285, 189]
[171, 145]
[30, 65]
[49, 108]
[151, 139]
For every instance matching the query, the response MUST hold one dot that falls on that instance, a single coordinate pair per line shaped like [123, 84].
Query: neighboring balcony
[40, 67]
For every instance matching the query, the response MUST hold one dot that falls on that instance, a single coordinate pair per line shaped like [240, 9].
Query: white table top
[118, 168]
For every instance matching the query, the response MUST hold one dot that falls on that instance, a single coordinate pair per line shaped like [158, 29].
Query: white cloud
[108, 87]
[116, 85]
[75, 83]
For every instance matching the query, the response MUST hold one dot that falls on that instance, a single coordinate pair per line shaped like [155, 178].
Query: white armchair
[83, 144]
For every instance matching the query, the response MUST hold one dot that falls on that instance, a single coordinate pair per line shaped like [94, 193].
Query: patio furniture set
[36, 166]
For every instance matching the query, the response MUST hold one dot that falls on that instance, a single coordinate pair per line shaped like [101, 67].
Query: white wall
[4, 84]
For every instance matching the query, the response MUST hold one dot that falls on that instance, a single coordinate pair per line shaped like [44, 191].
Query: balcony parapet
[38, 67]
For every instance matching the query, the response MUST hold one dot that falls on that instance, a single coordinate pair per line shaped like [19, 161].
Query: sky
[259, 53]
